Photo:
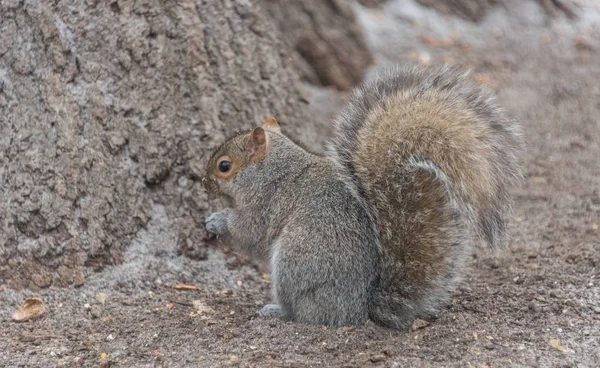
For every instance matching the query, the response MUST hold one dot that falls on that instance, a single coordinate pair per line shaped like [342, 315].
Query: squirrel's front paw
[217, 223]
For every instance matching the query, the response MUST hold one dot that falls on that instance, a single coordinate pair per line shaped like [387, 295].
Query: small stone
[377, 358]
[72, 331]
[110, 337]
[234, 359]
[419, 324]
[226, 292]
[96, 311]
[555, 293]
[596, 310]
[183, 181]
[533, 307]
[87, 307]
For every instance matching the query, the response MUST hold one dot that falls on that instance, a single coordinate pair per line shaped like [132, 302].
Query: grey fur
[288, 209]
[398, 300]
[329, 226]
[506, 138]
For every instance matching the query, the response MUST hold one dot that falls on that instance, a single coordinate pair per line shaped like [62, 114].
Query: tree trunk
[329, 44]
[107, 107]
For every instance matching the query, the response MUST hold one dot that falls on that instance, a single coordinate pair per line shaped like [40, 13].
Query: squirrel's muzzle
[211, 185]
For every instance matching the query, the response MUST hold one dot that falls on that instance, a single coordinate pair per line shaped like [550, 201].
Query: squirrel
[379, 227]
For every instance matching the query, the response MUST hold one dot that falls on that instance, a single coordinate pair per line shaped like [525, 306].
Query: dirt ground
[536, 305]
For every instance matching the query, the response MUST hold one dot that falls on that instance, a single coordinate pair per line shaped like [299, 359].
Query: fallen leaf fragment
[170, 307]
[185, 287]
[555, 343]
[103, 356]
[419, 324]
[201, 307]
[266, 276]
[1, 288]
[101, 298]
[30, 309]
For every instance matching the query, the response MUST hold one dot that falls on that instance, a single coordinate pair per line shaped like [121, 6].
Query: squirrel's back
[434, 157]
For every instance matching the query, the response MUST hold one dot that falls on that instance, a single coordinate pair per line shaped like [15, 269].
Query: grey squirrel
[380, 226]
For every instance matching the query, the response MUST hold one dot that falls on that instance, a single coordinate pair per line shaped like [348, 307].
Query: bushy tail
[434, 157]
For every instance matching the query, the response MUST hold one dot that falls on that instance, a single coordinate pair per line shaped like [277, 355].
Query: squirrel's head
[236, 155]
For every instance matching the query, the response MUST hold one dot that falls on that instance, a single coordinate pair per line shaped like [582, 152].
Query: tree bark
[108, 107]
[330, 48]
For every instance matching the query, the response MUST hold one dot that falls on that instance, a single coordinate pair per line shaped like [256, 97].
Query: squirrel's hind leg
[272, 311]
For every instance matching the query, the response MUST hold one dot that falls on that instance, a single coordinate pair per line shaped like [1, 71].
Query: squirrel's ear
[271, 123]
[257, 145]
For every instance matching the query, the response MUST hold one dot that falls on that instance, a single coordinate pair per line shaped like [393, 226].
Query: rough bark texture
[329, 44]
[475, 10]
[106, 107]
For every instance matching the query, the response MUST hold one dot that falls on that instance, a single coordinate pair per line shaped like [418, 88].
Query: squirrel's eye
[224, 166]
